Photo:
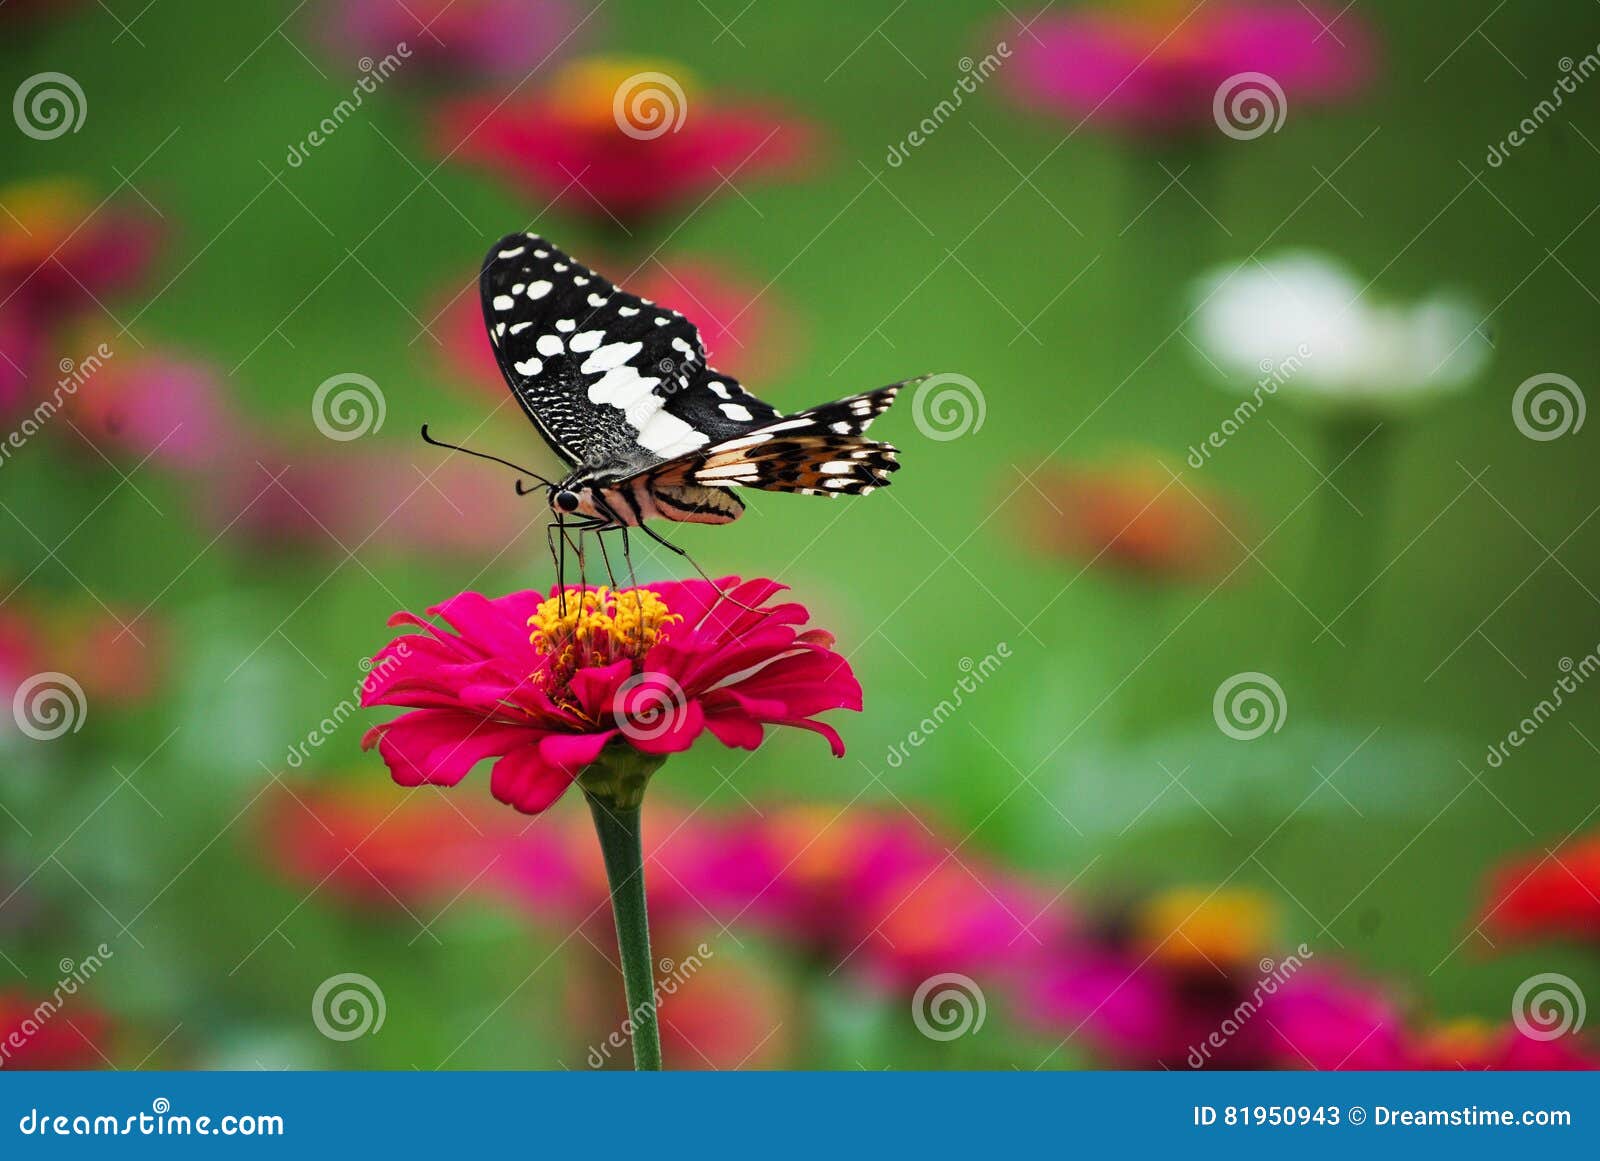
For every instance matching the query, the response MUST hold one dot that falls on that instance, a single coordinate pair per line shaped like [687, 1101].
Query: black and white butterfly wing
[614, 383]
[820, 451]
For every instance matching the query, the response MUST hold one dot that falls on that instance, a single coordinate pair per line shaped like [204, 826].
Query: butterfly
[620, 389]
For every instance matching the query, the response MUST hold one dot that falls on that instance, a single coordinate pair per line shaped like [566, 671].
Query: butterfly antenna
[426, 438]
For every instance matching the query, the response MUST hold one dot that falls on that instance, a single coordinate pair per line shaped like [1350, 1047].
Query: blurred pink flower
[157, 406]
[76, 1040]
[325, 497]
[1181, 982]
[1156, 68]
[21, 650]
[613, 139]
[1323, 1019]
[118, 656]
[361, 842]
[59, 255]
[1475, 1045]
[455, 40]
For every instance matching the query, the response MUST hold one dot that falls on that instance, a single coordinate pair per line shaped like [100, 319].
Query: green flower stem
[614, 786]
[1346, 555]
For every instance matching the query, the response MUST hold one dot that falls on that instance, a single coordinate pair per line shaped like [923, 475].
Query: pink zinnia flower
[544, 683]
[612, 139]
[1158, 69]
[466, 40]
[58, 256]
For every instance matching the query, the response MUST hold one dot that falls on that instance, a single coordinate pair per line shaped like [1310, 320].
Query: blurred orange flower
[1136, 516]
[1546, 896]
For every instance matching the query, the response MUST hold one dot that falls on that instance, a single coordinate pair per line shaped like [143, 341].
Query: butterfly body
[620, 389]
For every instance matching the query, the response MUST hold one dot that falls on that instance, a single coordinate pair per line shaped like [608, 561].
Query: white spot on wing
[511, 253]
[538, 289]
[667, 435]
[502, 302]
[565, 326]
[624, 387]
[548, 345]
[529, 367]
[736, 411]
[587, 341]
[609, 356]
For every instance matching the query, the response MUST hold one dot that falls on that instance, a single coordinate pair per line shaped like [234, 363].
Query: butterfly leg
[722, 594]
[605, 557]
[561, 566]
[627, 558]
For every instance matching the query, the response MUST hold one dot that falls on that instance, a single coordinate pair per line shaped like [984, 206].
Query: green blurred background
[1052, 768]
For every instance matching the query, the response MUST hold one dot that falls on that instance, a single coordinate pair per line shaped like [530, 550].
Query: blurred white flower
[1305, 322]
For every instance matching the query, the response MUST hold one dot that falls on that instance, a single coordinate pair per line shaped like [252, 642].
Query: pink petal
[524, 779]
[439, 746]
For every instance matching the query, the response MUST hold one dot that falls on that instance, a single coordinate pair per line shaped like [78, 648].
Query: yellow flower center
[1186, 928]
[578, 628]
[590, 91]
[40, 215]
